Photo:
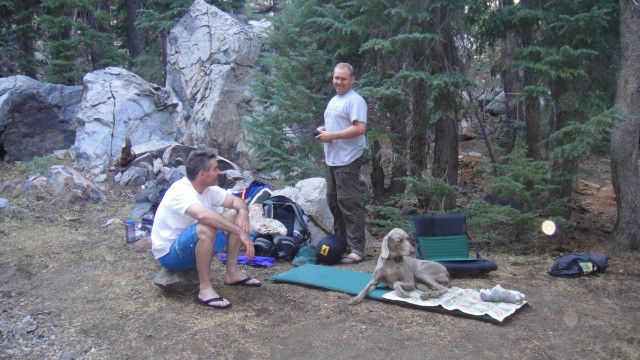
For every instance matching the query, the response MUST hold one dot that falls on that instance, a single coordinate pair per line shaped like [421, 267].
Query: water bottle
[130, 231]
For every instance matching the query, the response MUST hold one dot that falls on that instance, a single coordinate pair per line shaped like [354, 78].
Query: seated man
[187, 232]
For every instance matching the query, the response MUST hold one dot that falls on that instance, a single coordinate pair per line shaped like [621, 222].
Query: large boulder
[36, 118]
[210, 56]
[118, 104]
[497, 106]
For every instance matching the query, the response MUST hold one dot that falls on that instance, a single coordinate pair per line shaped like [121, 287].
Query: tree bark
[445, 160]
[625, 137]
[512, 90]
[418, 150]
[445, 153]
[135, 35]
[532, 106]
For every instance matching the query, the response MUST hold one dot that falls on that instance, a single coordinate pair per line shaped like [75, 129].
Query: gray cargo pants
[345, 202]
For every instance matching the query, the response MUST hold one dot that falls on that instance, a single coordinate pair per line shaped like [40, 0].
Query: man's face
[342, 80]
[211, 176]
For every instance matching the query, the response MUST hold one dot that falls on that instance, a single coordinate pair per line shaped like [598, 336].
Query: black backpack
[291, 215]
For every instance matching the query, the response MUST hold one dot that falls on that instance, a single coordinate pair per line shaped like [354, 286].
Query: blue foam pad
[343, 280]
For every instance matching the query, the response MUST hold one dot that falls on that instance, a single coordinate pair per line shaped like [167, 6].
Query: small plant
[431, 193]
[387, 217]
[39, 165]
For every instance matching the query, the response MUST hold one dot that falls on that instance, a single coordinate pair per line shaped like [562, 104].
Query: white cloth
[171, 218]
[341, 111]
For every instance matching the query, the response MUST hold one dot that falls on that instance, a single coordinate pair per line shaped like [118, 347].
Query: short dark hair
[199, 160]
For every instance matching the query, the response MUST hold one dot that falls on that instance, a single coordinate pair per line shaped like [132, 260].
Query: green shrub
[39, 165]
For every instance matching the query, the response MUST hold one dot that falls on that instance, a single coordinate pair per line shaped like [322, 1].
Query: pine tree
[405, 59]
[567, 58]
[18, 35]
[79, 39]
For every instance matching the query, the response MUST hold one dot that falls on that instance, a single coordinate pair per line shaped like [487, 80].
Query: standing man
[187, 233]
[345, 123]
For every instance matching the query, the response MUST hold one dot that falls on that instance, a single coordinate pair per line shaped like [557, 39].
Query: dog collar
[398, 259]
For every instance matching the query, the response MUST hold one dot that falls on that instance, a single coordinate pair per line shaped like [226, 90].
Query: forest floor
[71, 288]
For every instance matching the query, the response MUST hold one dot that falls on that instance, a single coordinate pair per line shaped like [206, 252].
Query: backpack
[575, 265]
[291, 215]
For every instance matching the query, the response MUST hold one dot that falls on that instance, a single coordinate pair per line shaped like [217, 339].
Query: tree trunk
[445, 153]
[377, 171]
[419, 130]
[135, 35]
[398, 168]
[445, 160]
[625, 137]
[512, 89]
[532, 106]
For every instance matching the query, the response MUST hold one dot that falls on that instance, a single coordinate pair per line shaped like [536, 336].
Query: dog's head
[395, 244]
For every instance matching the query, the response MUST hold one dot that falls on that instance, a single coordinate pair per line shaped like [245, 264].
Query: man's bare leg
[204, 255]
[232, 272]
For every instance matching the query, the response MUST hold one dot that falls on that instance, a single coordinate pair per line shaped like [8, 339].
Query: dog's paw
[432, 294]
[355, 301]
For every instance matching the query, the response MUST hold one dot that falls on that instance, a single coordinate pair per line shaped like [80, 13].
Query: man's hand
[247, 245]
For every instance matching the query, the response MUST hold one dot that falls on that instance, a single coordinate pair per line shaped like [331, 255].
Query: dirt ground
[71, 288]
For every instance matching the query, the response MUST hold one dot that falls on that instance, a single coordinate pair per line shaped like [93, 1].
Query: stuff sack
[291, 215]
[255, 193]
[575, 265]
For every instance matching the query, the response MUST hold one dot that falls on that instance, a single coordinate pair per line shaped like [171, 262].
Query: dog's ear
[384, 250]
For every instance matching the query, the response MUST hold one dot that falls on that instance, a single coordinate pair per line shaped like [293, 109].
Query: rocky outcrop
[118, 104]
[62, 186]
[210, 56]
[36, 118]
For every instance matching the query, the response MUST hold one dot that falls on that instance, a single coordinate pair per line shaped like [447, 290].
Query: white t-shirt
[171, 218]
[341, 111]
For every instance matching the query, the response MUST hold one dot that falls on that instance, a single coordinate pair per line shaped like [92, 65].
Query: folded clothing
[257, 261]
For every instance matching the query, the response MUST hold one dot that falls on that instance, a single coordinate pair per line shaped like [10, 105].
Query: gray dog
[404, 273]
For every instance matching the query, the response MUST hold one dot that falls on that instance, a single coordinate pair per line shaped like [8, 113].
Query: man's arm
[356, 128]
[234, 202]
[209, 217]
[241, 228]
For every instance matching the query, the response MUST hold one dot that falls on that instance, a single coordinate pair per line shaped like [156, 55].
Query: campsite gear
[286, 247]
[264, 247]
[130, 231]
[306, 255]
[575, 265]
[257, 261]
[291, 215]
[499, 294]
[330, 249]
[256, 193]
[444, 238]
[459, 302]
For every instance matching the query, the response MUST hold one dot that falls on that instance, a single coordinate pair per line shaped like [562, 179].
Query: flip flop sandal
[208, 302]
[350, 259]
[244, 282]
